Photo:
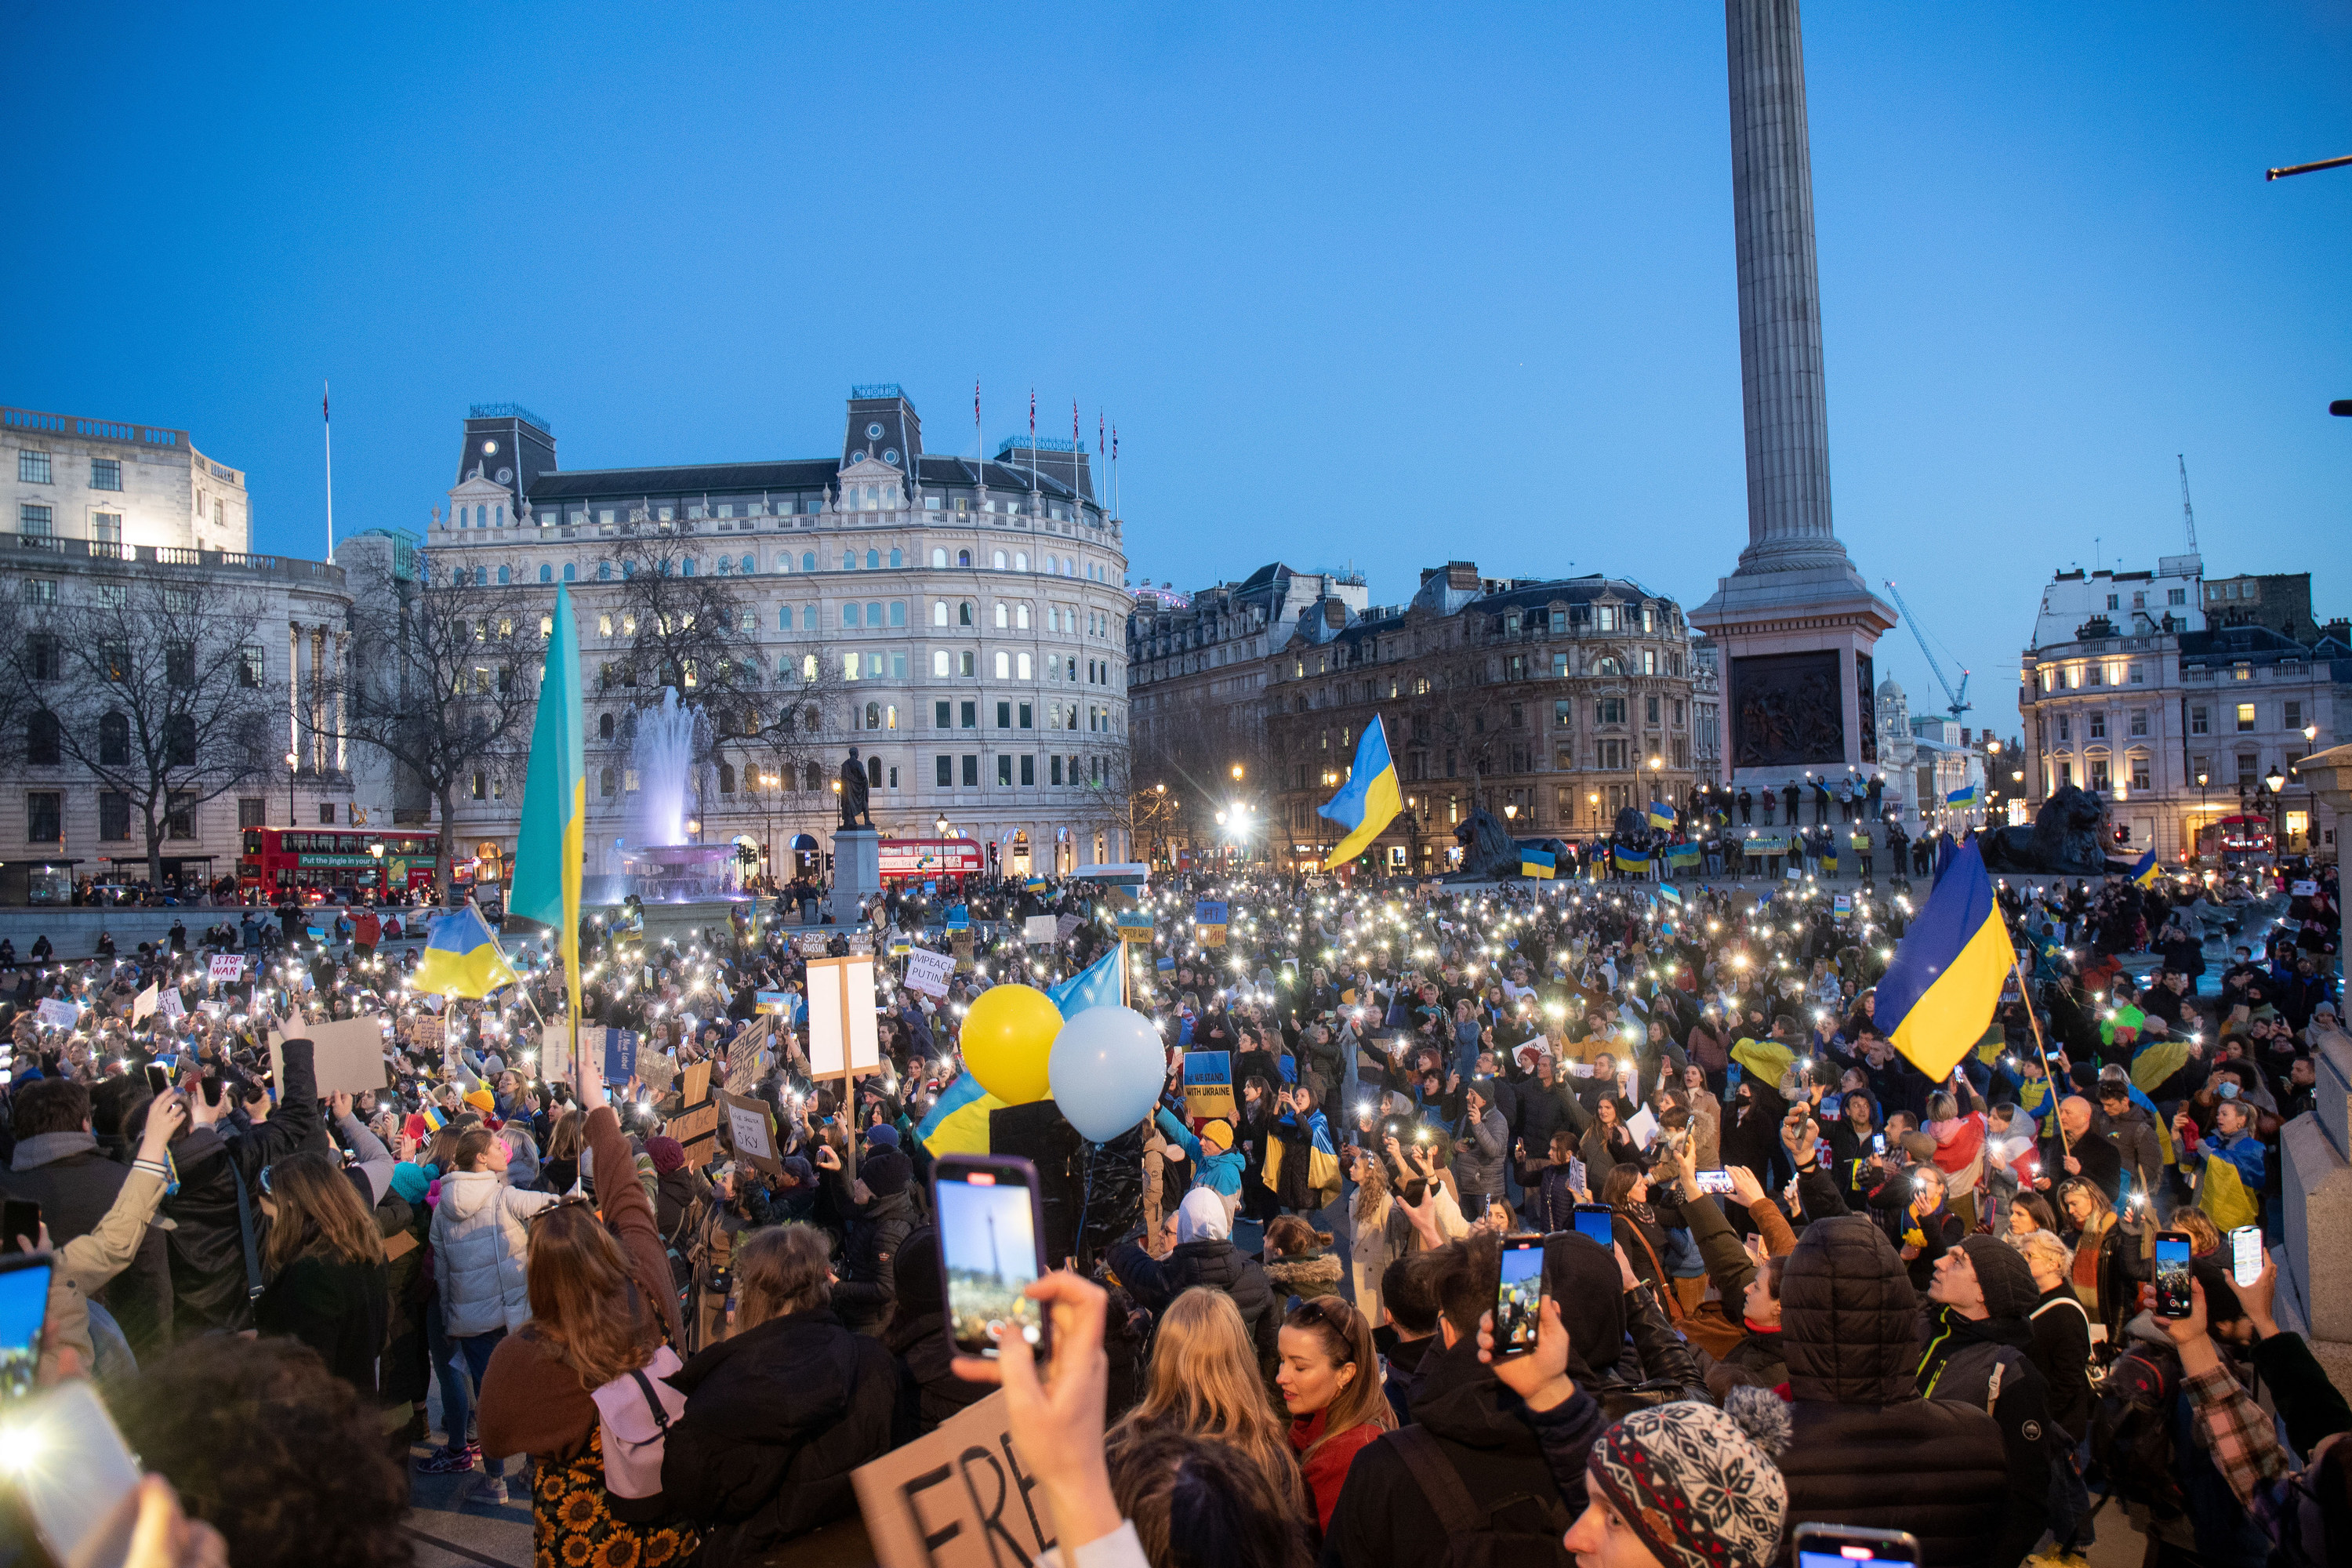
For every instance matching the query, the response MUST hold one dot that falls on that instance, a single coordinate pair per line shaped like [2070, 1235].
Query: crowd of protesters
[1832, 1288]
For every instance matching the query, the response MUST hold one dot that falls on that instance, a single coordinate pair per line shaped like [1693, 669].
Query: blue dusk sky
[1359, 284]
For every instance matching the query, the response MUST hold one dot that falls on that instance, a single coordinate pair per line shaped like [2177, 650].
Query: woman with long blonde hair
[1370, 1257]
[1330, 1382]
[1206, 1383]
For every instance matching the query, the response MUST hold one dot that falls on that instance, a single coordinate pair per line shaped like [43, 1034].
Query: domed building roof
[1888, 687]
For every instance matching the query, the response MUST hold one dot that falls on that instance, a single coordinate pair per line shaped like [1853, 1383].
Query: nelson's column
[1794, 622]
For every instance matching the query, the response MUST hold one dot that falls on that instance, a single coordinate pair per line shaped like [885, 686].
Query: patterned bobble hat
[1700, 1485]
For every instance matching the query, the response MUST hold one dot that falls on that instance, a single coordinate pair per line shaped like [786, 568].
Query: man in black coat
[210, 1282]
[1977, 1330]
[1203, 1255]
[2079, 1153]
[1865, 1449]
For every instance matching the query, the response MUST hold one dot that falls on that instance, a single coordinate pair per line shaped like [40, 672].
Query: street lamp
[292, 757]
[941, 827]
[1594, 800]
[1237, 773]
[2275, 782]
[375, 848]
[1511, 811]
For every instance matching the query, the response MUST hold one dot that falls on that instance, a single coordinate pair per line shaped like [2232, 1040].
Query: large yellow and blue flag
[1538, 863]
[1632, 859]
[958, 1123]
[1662, 817]
[1940, 991]
[1963, 799]
[462, 957]
[550, 848]
[1097, 985]
[1369, 801]
[2145, 871]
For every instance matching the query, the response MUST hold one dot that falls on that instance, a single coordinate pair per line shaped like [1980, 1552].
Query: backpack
[1471, 1539]
[634, 1411]
[2131, 1432]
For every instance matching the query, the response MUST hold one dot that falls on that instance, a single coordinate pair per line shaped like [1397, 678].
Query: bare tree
[154, 684]
[444, 683]
[1461, 725]
[693, 631]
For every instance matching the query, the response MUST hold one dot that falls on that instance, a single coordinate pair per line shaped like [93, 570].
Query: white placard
[928, 973]
[144, 1004]
[56, 1014]
[1041, 930]
[227, 968]
[841, 1026]
[555, 1053]
[170, 1005]
[1644, 1127]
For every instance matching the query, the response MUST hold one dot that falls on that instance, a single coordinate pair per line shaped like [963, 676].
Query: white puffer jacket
[478, 1251]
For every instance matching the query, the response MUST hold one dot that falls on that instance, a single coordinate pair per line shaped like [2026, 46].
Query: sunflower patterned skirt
[571, 1522]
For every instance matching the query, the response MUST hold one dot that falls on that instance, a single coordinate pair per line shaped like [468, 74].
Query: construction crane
[1956, 702]
[2188, 512]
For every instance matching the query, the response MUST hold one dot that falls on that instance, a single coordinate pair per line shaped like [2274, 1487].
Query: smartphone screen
[1847, 1546]
[1716, 1180]
[72, 1471]
[23, 1307]
[989, 1249]
[1592, 1220]
[159, 1079]
[19, 1219]
[1878, 1143]
[2246, 1254]
[1519, 1294]
[212, 1084]
[2172, 1274]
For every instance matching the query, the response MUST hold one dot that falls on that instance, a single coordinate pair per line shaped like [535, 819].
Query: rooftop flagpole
[326, 430]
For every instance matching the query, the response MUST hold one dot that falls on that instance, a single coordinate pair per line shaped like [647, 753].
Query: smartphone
[24, 1309]
[1878, 1143]
[73, 1474]
[1853, 1546]
[992, 1246]
[212, 1086]
[2172, 1274]
[1716, 1180]
[19, 1219]
[1592, 1221]
[1519, 1295]
[2245, 1254]
[159, 1079]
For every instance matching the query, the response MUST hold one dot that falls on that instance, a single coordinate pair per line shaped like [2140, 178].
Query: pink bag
[634, 1411]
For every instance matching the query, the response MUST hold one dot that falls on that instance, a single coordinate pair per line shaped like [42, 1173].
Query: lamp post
[292, 757]
[1592, 799]
[375, 848]
[2275, 782]
[2202, 810]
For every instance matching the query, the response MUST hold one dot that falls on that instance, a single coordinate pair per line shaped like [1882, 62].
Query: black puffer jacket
[776, 1418]
[1154, 1282]
[1866, 1449]
[868, 1281]
[205, 1245]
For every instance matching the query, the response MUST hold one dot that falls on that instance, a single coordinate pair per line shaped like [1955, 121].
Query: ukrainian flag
[2231, 1189]
[1035, 885]
[463, 958]
[2144, 873]
[1369, 801]
[1097, 985]
[1671, 894]
[1632, 859]
[550, 848]
[1537, 863]
[1662, 817]
[1939, 994]
[1963, 799]
[958, 1123]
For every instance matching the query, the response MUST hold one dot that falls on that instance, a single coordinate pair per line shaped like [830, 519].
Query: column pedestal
[857, 872]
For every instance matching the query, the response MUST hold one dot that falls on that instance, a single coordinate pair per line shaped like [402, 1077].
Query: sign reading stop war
[958, 1498]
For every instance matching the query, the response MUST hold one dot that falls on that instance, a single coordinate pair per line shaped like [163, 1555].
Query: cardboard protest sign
[698, 1130]
[620, 1054]
[1135, 927]
[928, 973]
[144, 1004]
[959, 1497]
[752, 1125]
[842, 1033]
[1208, 1085]
[747, 1057]
[347, 1054]
[696, 1087]
[959, 943]
[1209, 916]
[227, 968]
[770, 1002]
[1064, 925]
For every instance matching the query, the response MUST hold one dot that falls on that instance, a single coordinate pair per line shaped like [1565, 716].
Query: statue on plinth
[854, 812]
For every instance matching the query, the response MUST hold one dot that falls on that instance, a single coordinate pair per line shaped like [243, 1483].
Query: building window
[1608, 710]
[2098, 769]
[2290, 716]
[32, 520]
[2249, 769]
[2098, 731]
[2246, 716]
[105, 473]
[33, 468]
[44, 817]
[326, 814]
[2139, 772]
[42, 736]
[2198, 724]
[2177, 596]
[2138, 722]
[1028, 769]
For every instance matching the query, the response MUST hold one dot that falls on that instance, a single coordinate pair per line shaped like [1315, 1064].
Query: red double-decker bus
[316, 864]
[925, 859]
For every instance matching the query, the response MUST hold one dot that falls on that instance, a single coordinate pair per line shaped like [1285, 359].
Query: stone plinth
[857, 872]
[1797, 679]
[2317, 1184]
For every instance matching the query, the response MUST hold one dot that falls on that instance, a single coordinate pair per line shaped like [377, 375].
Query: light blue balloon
[1106, 1069]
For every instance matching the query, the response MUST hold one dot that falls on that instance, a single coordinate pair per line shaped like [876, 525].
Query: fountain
[657, 862]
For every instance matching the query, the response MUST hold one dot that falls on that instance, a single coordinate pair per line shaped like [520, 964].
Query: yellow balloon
[1007, 1036]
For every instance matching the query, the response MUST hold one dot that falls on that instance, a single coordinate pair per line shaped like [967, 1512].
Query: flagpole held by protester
[551, 843]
